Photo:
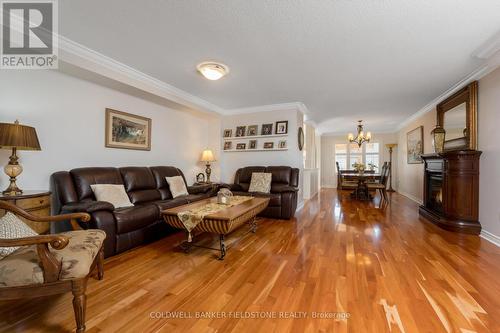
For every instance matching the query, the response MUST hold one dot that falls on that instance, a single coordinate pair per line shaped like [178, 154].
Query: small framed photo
[252, 144]
[252, 130]
[282, 127]
[282, 144]
[240, 131]
[268, 145]
[228, 145]
[241, 146]
[228, 133]
[267, 129]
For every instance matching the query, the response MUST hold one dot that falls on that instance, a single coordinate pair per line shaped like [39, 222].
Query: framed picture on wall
[240, 131]
[252, 144]
[127, 131]
[282, 144]
[268, 145]
[241, 146]
[228, 145]
[228, 133]
[252, 130]
[281, 127]
[267, 129]
[415, 145]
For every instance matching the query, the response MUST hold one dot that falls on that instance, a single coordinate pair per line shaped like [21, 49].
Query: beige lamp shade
[391, 145]
[18, 136]
[207, 156]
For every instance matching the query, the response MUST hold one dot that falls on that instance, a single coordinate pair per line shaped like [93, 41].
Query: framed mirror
[458, 116]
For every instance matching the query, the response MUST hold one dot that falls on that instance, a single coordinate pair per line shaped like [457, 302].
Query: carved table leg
[222, 247]
[78, 288]
[187, 245]
[253, 225]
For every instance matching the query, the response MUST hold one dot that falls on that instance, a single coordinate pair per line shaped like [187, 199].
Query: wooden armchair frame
[51, 267]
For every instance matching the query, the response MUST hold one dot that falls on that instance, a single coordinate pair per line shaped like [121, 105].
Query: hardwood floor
[387, 270]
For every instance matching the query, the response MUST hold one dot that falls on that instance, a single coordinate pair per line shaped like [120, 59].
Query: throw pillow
[114, 194]
[260, 182]
[177, 186]
[12, 226]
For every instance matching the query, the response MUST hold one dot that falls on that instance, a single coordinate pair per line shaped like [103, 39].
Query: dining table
[361, 192]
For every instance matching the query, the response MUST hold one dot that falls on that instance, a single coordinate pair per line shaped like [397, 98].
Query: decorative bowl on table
[224, 196]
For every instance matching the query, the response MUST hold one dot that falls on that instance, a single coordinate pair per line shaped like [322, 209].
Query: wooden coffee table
[222, 222]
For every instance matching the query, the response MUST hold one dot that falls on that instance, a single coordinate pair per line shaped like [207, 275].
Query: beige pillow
[177, 186]
[261, 182]
[12, 226]
[114, 194]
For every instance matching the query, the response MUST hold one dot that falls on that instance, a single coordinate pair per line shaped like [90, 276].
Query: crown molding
[476, 75]
[81, 56]
[293, 106]
[488, 48]
[343, 134]
[489, 51]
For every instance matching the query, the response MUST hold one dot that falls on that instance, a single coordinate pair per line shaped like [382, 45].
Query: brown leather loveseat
[284, 188]
[125, 227]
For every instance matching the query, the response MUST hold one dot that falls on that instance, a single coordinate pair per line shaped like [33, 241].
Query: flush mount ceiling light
[212, 70]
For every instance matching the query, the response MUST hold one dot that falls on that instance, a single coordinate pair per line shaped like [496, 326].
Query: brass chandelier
[361, 136]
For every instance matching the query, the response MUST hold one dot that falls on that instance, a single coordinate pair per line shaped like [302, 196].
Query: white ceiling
[376, 60]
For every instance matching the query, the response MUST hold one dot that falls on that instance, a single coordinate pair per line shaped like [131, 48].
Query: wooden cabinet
[34, 202]
[451, 190]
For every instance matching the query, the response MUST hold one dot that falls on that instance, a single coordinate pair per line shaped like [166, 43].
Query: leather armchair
[284, 189]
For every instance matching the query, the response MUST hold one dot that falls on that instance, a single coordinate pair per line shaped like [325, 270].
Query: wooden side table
[34, 202]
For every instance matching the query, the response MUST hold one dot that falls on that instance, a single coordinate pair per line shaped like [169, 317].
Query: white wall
[411, 176]
[231, 161]
[68, 114]
[328, 169]
[489, 125]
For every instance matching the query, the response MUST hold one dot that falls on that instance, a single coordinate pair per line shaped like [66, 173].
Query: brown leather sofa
[284, 188]
[129, 226]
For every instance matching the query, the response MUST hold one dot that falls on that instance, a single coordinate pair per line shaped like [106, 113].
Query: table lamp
[207, 156]
[16, 137]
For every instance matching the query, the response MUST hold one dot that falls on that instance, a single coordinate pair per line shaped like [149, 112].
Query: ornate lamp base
[12, 189]
[13, 169]
[208, 171]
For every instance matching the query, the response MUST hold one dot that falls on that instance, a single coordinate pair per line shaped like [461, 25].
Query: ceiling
[380, 61]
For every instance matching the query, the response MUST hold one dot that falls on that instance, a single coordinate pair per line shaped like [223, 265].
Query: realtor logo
[29, 34]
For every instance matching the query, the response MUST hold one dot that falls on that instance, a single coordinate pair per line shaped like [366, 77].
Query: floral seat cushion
[23, 266]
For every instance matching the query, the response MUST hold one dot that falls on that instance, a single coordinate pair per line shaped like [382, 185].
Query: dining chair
[44, 265]
[342, 183]
[382, 184]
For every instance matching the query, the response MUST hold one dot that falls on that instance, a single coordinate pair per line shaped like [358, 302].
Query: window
[348, 154]
[355, 154]
[341, 155]
[372, 153]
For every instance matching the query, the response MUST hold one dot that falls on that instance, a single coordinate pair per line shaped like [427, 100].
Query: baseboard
[490, 237]
[411, 197]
